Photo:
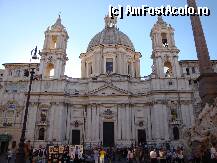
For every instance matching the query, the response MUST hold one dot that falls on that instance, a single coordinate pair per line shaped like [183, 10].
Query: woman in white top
[153, 156]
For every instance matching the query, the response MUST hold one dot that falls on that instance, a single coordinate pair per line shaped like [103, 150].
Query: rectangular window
[170, 83]
[129, 68]
[187, 71]
[189, 82]
[109, 65]
[193, 70]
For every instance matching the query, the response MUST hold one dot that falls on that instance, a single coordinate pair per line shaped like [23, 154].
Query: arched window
[168, 69]
[54, 42]
[18, 72]
[49, 70]
[176, 133]
[41, 134]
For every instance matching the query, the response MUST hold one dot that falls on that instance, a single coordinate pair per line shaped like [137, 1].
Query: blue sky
[23, 24]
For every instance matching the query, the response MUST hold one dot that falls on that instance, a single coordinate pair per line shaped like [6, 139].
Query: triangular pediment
[108, 89]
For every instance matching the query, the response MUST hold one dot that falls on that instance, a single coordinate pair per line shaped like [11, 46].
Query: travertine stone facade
[154, 109]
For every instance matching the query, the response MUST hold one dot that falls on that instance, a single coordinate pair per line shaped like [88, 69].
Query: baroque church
[111, 104]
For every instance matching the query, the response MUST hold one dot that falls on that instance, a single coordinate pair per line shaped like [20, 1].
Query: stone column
[127, 122]
[155, 122]
[173, 40]
[207, 79]
[159, 41]
[88, 124]
[123, 123]
[137, 68]
[119, 121]
[159, 67]
[94, 64]
[31, 121]
[122, 64]
[148, 133]
[114, 64]
[51, 124]
[83, 74]
[165, 122]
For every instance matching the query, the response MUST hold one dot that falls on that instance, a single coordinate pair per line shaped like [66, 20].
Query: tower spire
[58, 21]
[207, 79]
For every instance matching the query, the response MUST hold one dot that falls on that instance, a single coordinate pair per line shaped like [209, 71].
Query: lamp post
[20, 156]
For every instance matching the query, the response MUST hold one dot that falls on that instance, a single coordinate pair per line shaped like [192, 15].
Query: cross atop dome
[110, 21]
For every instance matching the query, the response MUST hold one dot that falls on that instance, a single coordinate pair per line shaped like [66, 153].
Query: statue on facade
[110, 21]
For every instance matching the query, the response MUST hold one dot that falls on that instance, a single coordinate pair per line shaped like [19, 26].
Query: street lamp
[20, 156]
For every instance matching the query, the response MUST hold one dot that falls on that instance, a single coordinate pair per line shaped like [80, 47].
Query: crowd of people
[134, 154]
[138, 155]
[151, 154]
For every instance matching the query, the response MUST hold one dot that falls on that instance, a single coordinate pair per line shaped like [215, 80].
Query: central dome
[110, 35]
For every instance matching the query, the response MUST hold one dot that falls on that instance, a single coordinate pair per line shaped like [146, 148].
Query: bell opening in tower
[164, 39]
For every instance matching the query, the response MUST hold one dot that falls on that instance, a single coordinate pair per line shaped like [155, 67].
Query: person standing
[162, 154]
[96, 155]
[130, 156]
[180, 156]
[9, 155]
[153, 156]
[213, 154]
[31, 154]
[137, 154]
[77, 155]
[102, 154]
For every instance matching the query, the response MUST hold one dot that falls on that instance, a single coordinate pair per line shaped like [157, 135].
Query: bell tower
[165, 52]
[53, 55]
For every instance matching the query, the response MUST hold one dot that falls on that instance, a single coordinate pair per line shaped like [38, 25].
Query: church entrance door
[108, 134]
[141, 136]
[76, 137]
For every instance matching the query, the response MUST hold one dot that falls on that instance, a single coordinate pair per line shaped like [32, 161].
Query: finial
[58, 22]
[59, 14]
[110, 21]
[160, 20]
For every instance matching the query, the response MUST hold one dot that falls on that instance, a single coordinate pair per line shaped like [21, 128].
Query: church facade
[111, 104]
